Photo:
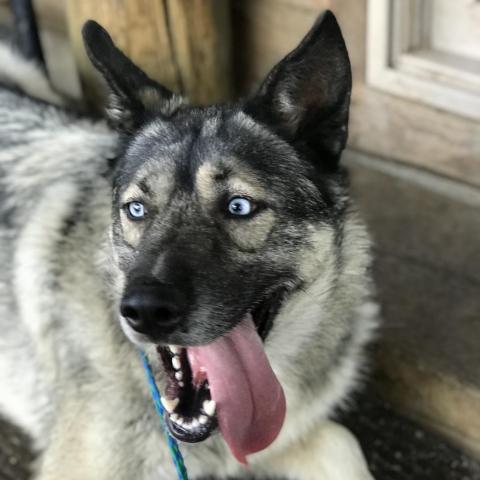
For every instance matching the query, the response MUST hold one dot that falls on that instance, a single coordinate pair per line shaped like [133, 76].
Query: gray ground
[399, 449]
[15, 455]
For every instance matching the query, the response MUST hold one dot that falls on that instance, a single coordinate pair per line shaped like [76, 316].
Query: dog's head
[213, 207]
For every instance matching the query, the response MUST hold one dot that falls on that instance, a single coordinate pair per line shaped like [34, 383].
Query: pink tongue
[250, 400]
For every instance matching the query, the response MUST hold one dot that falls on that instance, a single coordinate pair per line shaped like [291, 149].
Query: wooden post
[184, 44]
[52, 27]
[200, 32]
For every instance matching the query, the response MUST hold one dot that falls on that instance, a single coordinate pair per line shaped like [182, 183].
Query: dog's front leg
[96, 438]
[78, 448]
[329, 452]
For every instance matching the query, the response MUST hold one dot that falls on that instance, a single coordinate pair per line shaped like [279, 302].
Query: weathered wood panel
[6, 19]
[56, 47]
[184, 44]
[201, 40]
[389, 126]
[408, 131]
[265, 30]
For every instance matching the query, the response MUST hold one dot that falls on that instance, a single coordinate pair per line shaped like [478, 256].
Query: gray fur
[69, 375]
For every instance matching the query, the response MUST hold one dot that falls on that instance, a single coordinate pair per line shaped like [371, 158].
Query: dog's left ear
[134, 96]
[306, 96]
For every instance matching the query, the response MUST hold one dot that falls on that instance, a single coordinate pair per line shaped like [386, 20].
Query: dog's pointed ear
[306, 96]
[134, 96]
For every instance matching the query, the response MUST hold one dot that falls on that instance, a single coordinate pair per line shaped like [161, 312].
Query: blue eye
[240, 206]
[135, 210]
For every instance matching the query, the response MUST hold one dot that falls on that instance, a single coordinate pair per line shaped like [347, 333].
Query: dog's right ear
[134, 96]
[306, 96]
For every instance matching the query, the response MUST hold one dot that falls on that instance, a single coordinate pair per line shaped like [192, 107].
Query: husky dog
[220, 240]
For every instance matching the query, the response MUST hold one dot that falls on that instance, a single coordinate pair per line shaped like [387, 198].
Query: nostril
[132, 315]
[129, 312]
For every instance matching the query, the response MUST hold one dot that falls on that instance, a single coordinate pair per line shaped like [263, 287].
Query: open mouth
[209, 386]
[187, 400]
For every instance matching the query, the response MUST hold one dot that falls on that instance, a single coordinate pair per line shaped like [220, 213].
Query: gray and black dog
[221, 240]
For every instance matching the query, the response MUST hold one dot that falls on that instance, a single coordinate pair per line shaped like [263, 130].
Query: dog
[219, 240]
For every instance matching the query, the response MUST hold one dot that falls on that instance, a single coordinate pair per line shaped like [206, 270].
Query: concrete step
[427, 243]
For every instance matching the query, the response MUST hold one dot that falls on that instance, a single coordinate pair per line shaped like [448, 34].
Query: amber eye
[135, 210]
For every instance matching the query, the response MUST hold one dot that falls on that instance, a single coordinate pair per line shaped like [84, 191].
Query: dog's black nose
[153, 309]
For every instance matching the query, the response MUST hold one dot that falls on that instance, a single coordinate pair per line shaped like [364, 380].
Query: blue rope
[172, 443]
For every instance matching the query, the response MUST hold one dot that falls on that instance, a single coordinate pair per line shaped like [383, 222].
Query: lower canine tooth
[209, 407]
[174, 349]
[169, 404]
[203, 419]
[178, 375]
[176, 363]
[195, 423]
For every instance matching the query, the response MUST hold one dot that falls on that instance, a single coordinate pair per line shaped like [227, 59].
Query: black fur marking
[306, 96]
[136, 95]
[144, 187]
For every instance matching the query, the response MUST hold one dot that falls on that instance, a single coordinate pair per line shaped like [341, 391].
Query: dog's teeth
[209, 407]
[195, 423]
[174, 349]
[174, 417]
[181, 384]
[180, 421]
[170, 404]
[203, 419]
[178, 375]
[176, 363]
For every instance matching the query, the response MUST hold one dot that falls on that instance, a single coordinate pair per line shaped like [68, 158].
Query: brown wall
[382, 124]
[184, 44]
[265, 30]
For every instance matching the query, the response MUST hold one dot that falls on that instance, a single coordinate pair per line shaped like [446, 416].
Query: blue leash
[172, 443]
